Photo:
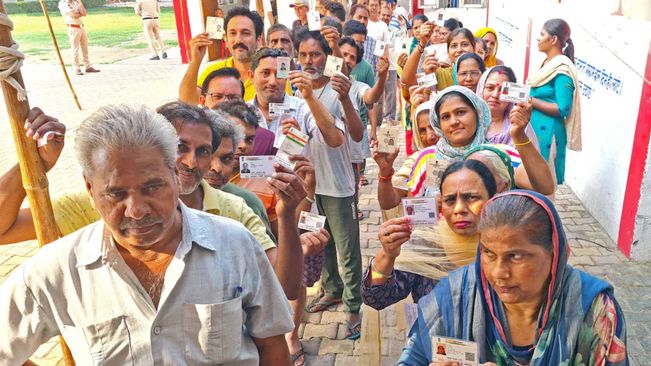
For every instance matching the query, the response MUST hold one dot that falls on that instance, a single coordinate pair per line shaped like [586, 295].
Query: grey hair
[519, 213]
[497, 165]
[120, 127]
[224, 128]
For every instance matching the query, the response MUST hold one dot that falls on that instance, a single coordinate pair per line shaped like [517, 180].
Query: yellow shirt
[72, 212]
[249, 91]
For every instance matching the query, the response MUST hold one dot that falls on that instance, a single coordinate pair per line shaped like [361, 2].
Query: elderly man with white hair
[153, 282]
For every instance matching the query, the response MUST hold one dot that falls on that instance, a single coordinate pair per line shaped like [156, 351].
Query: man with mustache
[244, 32]
[152, 282]
[194, 154]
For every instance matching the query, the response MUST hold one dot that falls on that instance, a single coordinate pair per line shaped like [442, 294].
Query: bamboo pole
[31, 167]
[56, 47]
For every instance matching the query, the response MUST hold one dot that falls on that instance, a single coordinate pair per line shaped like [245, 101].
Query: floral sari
[580, 322]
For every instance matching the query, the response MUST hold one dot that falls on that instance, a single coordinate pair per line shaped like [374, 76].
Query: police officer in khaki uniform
[72, 11]
[149, 10]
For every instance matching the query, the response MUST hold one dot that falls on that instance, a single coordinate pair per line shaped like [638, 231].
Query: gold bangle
[375, 273]
[522, 144]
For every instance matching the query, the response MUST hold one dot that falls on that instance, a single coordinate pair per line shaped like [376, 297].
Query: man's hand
[341, 85]
[198, 46]
[37, 125]
[314, 242]
[383, 65]
[332, 37]
[305, 170]
[302, 81]
[289, 188]
[287, 124]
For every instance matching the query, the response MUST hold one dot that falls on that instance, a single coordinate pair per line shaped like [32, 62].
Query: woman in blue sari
[520, 301]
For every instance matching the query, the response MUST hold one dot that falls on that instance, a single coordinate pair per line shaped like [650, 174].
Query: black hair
[421, 17]
[449, 95]
[354, 27]
[452, 24]
[303, 34]
[240, 11]
[266, 52]
[559, 28]
[474, 56]
[354, 8]
[278, 27]
[178, 112]
[504, 70]
[242, 110]
[520, 213]
[476, 166]
[465, 32]
[224, 72]
[336, 9]
[333, 22]
[351, 42]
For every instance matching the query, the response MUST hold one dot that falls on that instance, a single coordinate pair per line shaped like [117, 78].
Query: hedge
[26, 7]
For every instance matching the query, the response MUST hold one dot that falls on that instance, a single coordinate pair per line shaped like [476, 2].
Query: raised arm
[188, 90]
[388, 196]
[16, 224]
[374, 94]
[332, 136]
[342, 85]
[411, 67]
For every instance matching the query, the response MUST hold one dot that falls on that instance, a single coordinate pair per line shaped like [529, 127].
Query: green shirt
[364, 73]
[253, 202]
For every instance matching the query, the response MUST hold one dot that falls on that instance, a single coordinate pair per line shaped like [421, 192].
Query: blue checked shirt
[369, 48]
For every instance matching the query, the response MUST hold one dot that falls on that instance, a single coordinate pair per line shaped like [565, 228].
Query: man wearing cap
[72, 11]
[300, 8]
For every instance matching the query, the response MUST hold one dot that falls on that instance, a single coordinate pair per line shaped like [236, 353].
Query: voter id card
[513, 92]
[215, 27]
[333, 65]
[465, 353]
[388, 139]
[282, 67]
[257, 166]
[313, 20]
[428, 81]
[421, 211]
[293, 143]
[310, 221]
[379, 49]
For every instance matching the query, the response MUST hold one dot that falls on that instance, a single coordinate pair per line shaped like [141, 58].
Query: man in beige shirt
[72, 11]
[154, 282]
[149, 11]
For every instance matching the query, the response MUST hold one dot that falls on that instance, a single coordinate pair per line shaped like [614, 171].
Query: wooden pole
[56, 47]
[31, 167]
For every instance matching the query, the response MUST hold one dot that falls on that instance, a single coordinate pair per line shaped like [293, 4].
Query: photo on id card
[421, 211]
[465, 353]
[333, 65]
[310, 221]
[282, 67]
[514, 92]
[256, 166]
[293, 143]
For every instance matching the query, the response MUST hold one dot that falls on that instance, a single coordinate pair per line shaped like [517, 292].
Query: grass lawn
[106, 27]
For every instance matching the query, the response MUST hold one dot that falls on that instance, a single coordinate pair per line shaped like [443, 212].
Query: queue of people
[177, 253]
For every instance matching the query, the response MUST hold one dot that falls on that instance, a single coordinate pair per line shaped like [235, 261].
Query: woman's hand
[384, 160]
[431, 64]
[425, 33]
[314, 242]
[402, 60]
[520, 116]
[393, 233]
[419, 95]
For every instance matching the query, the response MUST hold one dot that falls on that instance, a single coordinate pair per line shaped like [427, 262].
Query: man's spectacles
[219, 96]
[467, 74]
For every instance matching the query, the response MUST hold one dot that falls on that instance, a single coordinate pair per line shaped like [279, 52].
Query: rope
[10, 61]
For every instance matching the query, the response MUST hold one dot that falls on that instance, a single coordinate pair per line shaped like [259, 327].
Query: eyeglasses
[467, 74]
[219, 96]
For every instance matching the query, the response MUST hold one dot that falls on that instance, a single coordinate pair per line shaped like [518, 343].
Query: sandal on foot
[296, 356]
[320, 304]
[353, 331]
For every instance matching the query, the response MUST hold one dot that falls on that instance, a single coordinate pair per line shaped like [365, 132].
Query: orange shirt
[261, 189]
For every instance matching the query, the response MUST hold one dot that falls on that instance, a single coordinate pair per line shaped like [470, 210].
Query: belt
[75, 25]
[148, 18]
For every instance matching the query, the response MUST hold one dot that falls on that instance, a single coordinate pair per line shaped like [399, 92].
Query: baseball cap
[298, 3]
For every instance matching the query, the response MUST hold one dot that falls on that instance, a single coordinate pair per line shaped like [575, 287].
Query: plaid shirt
[369, 48]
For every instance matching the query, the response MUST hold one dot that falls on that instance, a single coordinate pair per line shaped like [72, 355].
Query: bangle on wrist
[310, 200]
[523, 143]
[375, 273]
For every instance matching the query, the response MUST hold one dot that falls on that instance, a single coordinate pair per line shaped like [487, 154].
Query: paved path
[152, 83]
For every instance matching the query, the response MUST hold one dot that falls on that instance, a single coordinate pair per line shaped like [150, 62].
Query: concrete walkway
[153, 83]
